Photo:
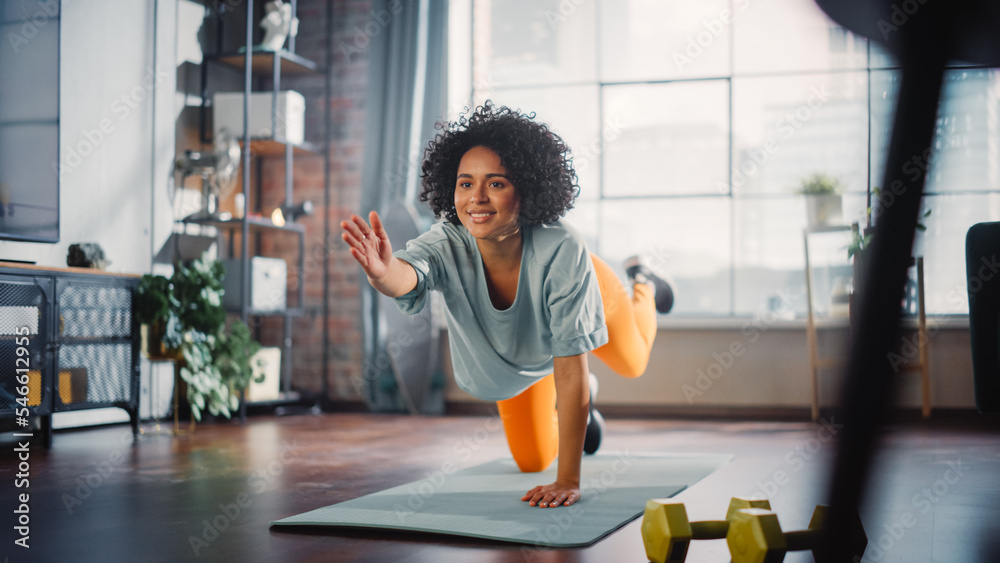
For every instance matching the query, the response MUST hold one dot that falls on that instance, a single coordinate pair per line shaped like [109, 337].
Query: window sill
[664, 322]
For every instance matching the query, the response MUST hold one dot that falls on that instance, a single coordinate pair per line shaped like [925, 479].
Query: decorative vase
[152, 342]
[824, 210]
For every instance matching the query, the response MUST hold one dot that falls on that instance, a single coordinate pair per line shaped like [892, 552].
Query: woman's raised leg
[631, 322]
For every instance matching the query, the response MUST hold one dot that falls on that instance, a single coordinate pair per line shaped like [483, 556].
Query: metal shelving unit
[258, 65]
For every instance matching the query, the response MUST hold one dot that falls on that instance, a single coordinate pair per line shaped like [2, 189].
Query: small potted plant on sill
[186, 309]
[823, 199]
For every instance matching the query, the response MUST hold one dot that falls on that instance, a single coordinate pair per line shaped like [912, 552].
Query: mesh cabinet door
[96, 348]
[24, 325]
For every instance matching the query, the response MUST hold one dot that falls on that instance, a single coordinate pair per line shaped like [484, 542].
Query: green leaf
[821, 184]
[216, 361]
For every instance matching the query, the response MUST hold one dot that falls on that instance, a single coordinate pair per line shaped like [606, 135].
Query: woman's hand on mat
[560, 493]
[369, 244]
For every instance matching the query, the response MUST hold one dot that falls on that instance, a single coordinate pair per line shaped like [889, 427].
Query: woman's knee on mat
[533, 461]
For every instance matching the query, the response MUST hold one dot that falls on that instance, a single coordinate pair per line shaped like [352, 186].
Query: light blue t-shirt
[557, 312]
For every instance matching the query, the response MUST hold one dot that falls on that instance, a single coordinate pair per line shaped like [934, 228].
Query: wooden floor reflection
[98, 496]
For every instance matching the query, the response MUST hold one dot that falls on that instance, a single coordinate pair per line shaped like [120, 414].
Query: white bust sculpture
[278, 24]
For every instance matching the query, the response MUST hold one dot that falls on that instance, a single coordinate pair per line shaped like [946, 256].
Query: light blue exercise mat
[485, 501]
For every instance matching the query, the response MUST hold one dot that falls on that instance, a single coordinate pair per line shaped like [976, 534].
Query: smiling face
[485, 200]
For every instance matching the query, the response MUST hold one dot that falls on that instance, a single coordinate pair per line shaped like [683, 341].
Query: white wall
[109, 79]
[118, 113]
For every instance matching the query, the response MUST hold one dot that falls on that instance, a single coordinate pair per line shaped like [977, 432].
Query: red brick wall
[349, 80]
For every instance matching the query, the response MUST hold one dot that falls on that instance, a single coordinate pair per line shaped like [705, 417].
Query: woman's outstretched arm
[370, 247]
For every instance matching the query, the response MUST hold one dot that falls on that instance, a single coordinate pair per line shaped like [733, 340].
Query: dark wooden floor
[97, 496]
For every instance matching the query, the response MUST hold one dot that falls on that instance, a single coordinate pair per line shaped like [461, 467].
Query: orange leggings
[529, 419]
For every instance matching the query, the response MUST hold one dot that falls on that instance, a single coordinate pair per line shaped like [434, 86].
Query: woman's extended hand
[369, 245]
[559, 493]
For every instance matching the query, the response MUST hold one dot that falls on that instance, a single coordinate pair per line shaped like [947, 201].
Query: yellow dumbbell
[755, 536]
[666, 531]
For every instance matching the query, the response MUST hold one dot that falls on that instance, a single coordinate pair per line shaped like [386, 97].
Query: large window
[692, 125]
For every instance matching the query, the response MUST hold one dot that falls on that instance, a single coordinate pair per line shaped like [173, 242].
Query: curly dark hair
[538, 163]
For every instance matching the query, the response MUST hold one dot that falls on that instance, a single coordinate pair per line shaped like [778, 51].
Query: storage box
[34, 388]
[72, 386]
[289, 119]
[270, 367]
[268, 284]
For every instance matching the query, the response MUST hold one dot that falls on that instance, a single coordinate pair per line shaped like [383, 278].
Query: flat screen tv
[29, 120]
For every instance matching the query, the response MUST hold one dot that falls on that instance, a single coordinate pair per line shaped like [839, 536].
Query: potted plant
[187, 308]
[861, 241]
[823, 200]
[154, 312]
[233, 354]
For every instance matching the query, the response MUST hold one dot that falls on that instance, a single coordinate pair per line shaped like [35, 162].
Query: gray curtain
[407, 70]
[406, 96]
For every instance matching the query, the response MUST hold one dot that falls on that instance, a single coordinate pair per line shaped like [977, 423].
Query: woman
[525, 300]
